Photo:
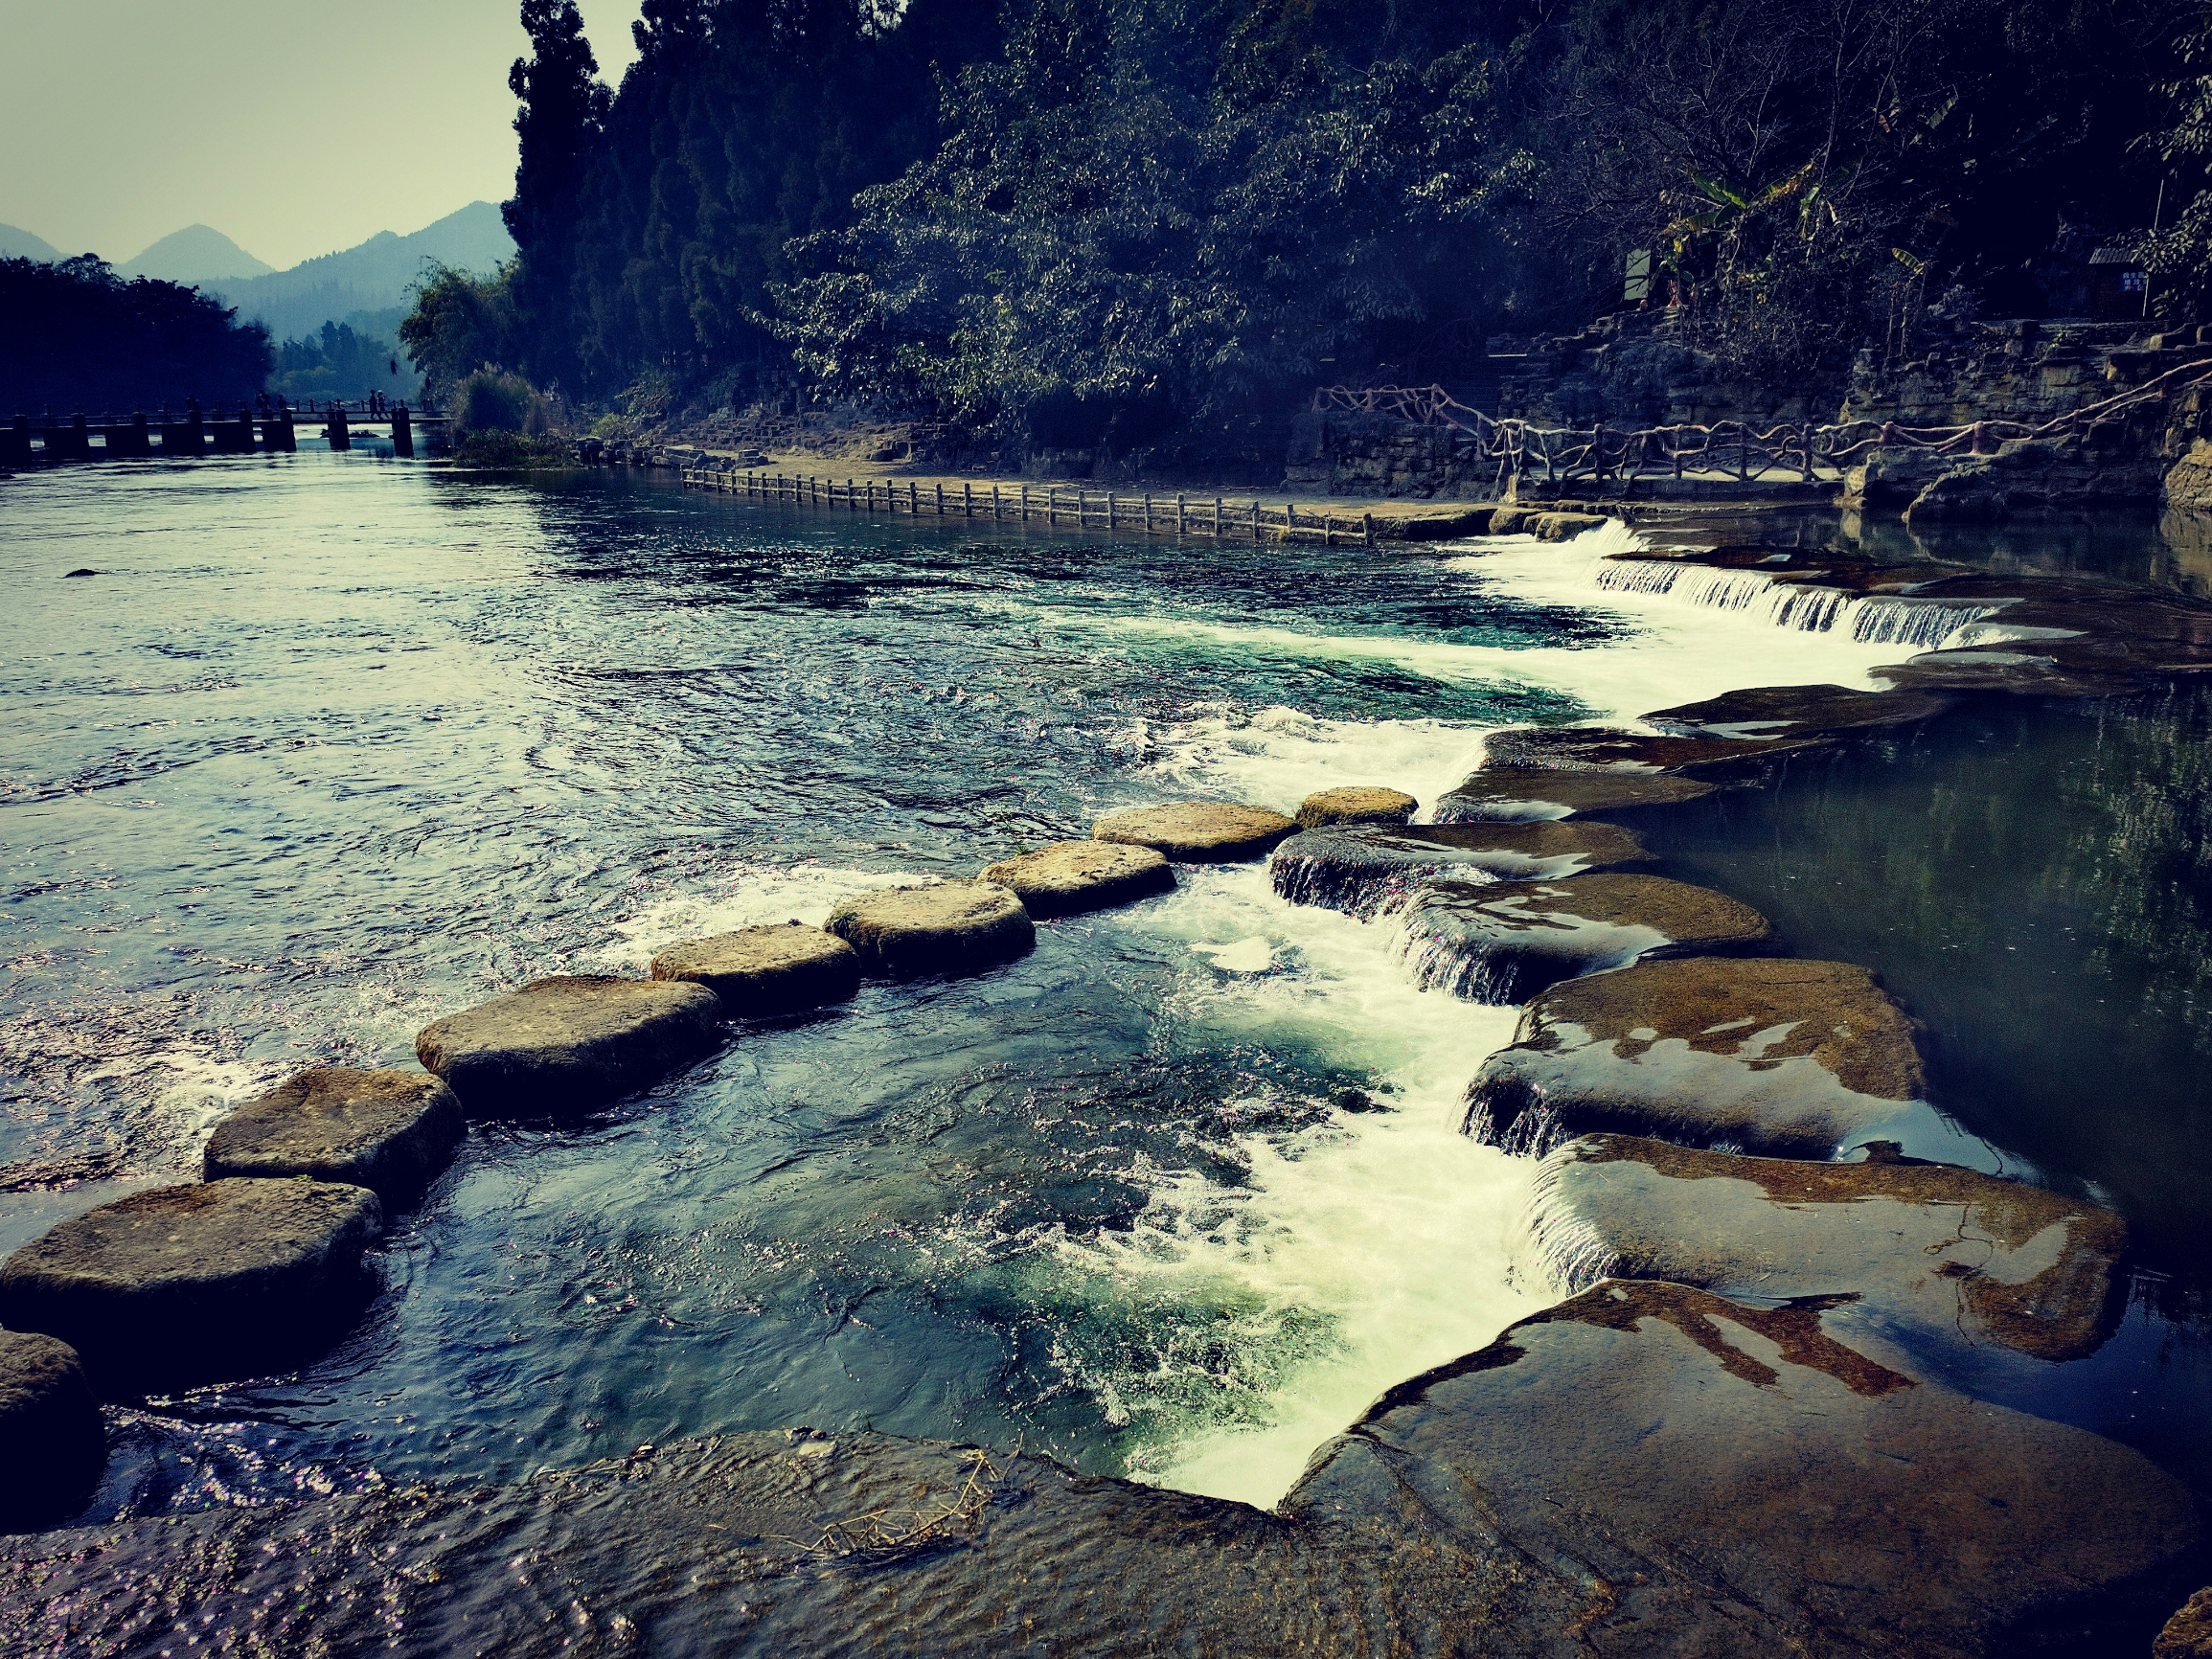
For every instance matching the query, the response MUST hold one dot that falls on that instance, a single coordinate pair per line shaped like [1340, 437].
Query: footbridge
[196, 432]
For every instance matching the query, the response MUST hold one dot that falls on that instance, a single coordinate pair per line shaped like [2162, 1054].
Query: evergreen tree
[560, 125]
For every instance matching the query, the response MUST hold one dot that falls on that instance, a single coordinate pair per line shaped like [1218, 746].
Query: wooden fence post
[994, 512]
[1744, 452]
[1217, 518]
[1147, 513]
[1807, 435]
[1255, 518]
[913, 502]
[967, 499]
[1109, 510]
[1367, 528]
[1182, 513]
[939, 490]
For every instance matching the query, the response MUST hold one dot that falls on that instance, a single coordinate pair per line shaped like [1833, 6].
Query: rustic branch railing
[1732, 448]
[1079, 508]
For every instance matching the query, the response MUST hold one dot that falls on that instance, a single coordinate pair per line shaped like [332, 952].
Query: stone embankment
[1733, 1436]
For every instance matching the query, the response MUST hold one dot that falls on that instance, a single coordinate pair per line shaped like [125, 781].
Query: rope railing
[1733, 449]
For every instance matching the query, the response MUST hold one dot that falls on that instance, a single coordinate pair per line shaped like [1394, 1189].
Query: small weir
[1870, 618]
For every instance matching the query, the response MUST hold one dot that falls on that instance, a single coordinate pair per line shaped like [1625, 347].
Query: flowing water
[330, 746]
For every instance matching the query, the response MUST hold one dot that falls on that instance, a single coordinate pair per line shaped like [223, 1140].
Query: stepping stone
[1502, 941]
[758, 971]
[1656, 1437]
[1198, 831]
[1950, 1256]
[568, 1044]
[391, 1132]
[1768, 712]
[1077, 875]
[181, 1286]
[1760, 1054]
[52, 1441]
[1366, 869]
[2188, 1634]
[954, 927]
[1609, 749]
[1355, 805]
[1517, 794]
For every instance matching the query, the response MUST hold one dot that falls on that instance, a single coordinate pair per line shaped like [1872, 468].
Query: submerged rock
[52, 1441]
[954, 927]
[181, 1286]
[1198, 831]
[1609, 749]
[1765, 1054]
[1767, 712]
[1503, 941]
[1518, 794]
[1355, 805]
[1073, 876]
[1367, 868]
[760, 972]
[1652, 1436]
[568, 1044]
[391, 1132]
[1952, 1254]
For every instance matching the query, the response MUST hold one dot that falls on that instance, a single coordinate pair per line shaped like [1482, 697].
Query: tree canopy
[75, 335]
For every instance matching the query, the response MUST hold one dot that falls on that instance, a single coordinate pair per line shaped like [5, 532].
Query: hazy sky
[294, 127]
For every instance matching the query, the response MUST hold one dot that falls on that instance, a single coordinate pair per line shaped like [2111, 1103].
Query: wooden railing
[1732, 449]
[1077, 507]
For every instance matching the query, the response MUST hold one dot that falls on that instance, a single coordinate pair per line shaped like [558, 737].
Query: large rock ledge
[182, 1285]
[1611, 749]
[1369, 868]
[568, 1044]
[1795, 1059]
[1502, 941]
[1652, 1436]
[1649, 1470]
[1952, 1254]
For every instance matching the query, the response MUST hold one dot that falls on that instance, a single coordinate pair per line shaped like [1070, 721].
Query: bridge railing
[1735, 450]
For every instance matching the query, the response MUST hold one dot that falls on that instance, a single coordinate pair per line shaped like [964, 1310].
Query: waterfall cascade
[1870, 618]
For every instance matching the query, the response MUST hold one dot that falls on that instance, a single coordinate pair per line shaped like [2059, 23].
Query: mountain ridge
[195, 256]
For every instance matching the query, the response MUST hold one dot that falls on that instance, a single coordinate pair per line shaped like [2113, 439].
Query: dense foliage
[1083, 219]
[75, 335]
[340, 361]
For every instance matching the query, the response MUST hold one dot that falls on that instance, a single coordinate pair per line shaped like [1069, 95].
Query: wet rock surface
[1369, 868]
[51, 1441]
[1503, 941]
[1073, 876]
[568, 1044]
[1518, 794]
[1952, 1255]
[1610, 749]
[2188, 1634]
[1355, 805]
[954, 927]
[1760, 1054]
[1198, 831]
[391, 1132]
[1798, 711]
[760, 972]
[1653, 1435]
[181, 1286]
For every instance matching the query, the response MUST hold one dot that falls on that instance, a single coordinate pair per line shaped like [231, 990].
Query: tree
[560, 125]
[75, 335]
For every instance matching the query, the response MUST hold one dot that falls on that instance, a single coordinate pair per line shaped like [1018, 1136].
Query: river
[328, 745]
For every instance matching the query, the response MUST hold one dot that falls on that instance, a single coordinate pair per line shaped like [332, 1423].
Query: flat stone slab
[1198, 831]
[1953, 1256]
[1520, 794]
[1355, 805]
[1367, 869]
[1756, 1054]
[391, 1132]
[52, 1441]
[954, 927]
[1654, 1434]
[1611, 749]
[182, 1285]
[568, 1044]
[760, 972]
[1072, 877]
[1768, 712]
[1502, 941]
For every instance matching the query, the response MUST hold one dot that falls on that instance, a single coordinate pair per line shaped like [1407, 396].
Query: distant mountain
[15, 244]
[196, 257]
[373, 277]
